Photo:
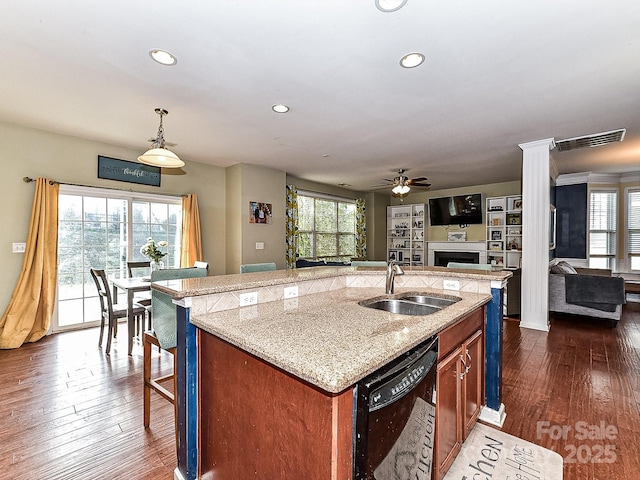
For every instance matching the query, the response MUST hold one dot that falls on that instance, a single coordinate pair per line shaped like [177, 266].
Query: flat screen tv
[457, 210]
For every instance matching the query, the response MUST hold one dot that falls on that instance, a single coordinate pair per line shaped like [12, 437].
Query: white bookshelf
[504, 231]
[406, 234]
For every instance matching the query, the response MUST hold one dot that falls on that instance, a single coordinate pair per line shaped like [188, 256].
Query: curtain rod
[53, 182]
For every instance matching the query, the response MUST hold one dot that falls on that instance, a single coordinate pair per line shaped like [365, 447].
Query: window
[602, 228]
[94, 231]
[633, 228]
[326, 228]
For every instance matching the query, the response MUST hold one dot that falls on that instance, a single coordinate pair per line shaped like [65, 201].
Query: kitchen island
[306, 350]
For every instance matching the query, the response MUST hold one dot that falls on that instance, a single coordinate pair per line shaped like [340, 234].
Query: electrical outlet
[291, 292]
[259, 245]
[18, 247]
[250, 298]
[451, 285]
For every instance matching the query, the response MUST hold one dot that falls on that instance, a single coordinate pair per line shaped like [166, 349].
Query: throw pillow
[563, 267]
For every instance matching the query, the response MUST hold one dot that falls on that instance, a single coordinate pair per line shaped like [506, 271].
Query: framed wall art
[260, 212]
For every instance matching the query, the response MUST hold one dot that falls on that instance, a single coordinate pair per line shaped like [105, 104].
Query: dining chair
[111, 312]
[163, 335]
[201, 265]
[140, 269]
[257, 267]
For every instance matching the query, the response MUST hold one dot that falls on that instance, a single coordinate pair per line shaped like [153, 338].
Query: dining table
[131, 285]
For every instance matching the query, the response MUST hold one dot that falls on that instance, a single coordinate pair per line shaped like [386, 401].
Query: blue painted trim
[187, 395]
[493, 342]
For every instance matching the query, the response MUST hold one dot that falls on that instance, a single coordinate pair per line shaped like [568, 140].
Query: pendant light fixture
[157, 155]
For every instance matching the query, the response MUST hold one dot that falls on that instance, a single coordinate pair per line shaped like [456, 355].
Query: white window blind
[633, 228]
[602, 228]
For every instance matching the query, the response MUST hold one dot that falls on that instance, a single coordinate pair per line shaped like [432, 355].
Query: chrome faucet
[393, 269]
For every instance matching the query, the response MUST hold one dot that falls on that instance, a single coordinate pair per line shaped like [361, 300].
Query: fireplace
[441, 259]
[469, 252]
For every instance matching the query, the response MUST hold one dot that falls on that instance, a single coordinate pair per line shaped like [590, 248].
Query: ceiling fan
[401, 184]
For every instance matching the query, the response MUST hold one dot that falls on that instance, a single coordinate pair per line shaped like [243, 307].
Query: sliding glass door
[104, 229]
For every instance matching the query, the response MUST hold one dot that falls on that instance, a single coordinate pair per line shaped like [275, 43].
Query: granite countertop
[227, 283]
[328, 339]
[324, 336]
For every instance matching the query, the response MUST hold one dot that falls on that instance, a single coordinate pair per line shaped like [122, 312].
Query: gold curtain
[191, 236]
[28, 315]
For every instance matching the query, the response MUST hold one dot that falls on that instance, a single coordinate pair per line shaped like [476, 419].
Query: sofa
[302, 263]
[585, 291]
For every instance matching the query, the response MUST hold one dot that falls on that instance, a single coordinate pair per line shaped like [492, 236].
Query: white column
[536, 184]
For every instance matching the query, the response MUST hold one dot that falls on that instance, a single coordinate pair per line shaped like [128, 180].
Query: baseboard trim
[534, 326]
[493, 417]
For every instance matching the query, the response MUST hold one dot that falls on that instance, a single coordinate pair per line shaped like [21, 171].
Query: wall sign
[132, 172]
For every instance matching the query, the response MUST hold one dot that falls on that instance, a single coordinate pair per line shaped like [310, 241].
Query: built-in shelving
[504, 231]
[406, 234]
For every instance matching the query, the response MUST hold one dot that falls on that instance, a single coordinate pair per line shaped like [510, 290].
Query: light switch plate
[259, 245]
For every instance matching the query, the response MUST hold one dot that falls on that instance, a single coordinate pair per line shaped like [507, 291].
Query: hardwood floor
[576, 391]
[70, 412]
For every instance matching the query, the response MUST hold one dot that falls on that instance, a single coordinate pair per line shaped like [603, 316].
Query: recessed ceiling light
[163, 57]
[325, 155]
[280, 108]
[344, 184]
[412, 60]
[390, 5]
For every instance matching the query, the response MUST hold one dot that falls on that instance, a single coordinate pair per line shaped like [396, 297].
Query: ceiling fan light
[401, 189]
[161, 157]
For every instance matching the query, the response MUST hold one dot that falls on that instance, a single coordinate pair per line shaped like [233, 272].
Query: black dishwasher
[394, 423]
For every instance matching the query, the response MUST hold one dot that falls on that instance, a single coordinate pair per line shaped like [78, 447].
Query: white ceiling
[497, 73]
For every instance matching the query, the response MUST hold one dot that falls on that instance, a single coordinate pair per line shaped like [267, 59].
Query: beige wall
[253, 183]
[474, 232]
[33, 153]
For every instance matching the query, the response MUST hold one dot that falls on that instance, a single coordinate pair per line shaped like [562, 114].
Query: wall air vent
[594, 140]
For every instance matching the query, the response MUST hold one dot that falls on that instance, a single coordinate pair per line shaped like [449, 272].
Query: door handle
[466, 369]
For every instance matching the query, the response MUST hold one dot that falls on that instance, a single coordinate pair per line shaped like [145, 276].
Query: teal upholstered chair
[257, 267]
[164, 335]
[368, 263]
[470, 266]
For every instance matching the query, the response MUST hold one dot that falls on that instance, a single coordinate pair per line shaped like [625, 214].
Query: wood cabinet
[459, 387]
[406, 234]
[256, 421]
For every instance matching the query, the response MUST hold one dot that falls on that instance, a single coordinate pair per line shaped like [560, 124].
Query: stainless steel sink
[429, 300]
[400, 306]
[410, 303]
